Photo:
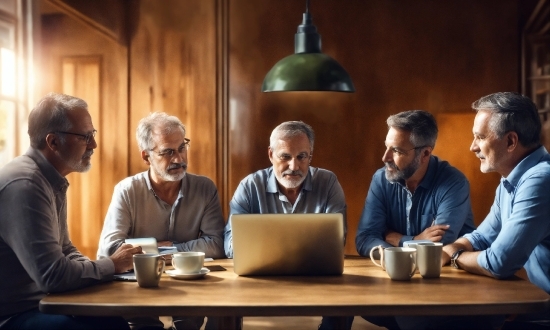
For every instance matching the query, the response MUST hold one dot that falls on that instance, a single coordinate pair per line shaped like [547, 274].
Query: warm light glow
[7, 72]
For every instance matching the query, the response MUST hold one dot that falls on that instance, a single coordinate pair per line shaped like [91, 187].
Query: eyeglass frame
[87, 137]
[169, 153]
[403, 152]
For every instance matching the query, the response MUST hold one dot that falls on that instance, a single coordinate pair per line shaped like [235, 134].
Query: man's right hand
[124, 256]
[434, 233]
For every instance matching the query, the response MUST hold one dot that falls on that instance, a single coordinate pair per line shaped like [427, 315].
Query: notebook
[288, 244]
[149, 245]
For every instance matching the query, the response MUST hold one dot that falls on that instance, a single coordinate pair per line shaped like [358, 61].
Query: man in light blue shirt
[416, 195]
[516, 232]
[291, 185]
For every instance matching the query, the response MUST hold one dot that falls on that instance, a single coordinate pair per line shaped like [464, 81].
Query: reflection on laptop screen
[288, 244]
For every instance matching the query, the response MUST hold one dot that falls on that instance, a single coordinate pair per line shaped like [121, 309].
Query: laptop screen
[288, 244]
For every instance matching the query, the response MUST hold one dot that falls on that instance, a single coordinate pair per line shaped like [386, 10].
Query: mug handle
[161, 268]
[381, 252]
[413, 257]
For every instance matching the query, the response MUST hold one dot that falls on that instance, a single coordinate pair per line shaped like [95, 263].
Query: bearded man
[177, 208]
[416, 196]
[291, 185]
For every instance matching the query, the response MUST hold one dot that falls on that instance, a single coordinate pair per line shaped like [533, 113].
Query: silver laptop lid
[288, 244]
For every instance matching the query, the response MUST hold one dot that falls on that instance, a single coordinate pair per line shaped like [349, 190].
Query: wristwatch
[454, 257]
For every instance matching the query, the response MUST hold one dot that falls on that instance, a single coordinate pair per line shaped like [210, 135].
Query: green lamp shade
[308, 72]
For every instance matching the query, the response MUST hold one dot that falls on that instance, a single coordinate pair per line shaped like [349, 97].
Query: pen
[433, 222]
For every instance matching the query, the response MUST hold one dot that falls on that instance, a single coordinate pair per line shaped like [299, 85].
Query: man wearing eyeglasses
[36, 252]
[416, 196]
[177, 208]
[291, 185]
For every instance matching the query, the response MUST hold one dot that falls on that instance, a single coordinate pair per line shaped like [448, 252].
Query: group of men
[414, 196]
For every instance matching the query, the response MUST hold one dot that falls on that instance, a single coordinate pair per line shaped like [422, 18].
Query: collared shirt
[442, 196]
[516, 232]
[194, 222]
[259, 193]
[36, 252]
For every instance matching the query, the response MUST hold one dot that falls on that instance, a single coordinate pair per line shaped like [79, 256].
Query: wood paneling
[81, 76]
[204, 61]
[173, 69]
[70, 62]
[433, 55]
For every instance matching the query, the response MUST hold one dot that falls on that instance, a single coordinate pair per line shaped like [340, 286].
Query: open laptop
[288, 244]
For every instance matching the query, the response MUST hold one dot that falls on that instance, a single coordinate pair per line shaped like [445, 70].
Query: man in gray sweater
[35, 250]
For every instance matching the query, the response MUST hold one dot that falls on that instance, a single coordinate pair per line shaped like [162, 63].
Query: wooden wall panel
[81, 76]
[63, 37]
[173, 69]
[433, 55]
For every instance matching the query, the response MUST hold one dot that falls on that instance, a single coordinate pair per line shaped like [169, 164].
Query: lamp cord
[307, 6]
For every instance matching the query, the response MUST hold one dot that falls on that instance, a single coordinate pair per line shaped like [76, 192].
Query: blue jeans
[34, 319]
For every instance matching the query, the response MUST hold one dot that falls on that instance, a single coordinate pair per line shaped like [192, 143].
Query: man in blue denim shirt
[416, 195]
[516, 232]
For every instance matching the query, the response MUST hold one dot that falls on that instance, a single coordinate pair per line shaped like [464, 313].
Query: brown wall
[433, 55]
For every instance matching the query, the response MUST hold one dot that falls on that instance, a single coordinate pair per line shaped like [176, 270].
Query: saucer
[192, 276]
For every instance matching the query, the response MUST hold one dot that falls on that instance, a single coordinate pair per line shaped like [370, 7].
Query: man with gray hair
[177, 208]
[36, 251]
[516, 232]
[291, 185]
[415, 196]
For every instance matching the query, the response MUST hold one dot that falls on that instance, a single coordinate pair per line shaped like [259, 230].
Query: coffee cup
[188, 262]
[428, 257]
[398, 262]
[148, 268]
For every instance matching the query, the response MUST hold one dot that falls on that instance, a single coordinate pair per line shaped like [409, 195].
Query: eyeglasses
[169, 153]
[403, 152]
[302, 157]
[86, 137]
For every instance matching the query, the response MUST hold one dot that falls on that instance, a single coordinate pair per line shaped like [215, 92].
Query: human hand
[124, 256]
[434, 233]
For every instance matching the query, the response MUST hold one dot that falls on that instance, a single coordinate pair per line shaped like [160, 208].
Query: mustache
[88, 154]
[392, 165]
[177, 165]
[289, 172]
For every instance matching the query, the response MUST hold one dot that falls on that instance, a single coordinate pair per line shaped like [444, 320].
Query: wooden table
[363, 289]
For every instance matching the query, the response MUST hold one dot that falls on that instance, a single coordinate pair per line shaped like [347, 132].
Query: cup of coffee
[148, 268]
[398, 262]
[428, 257]
[188, 262]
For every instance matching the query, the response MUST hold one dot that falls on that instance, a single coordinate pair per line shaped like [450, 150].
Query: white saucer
[182, 276]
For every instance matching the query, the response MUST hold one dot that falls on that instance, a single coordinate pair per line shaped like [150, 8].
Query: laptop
[288, 244]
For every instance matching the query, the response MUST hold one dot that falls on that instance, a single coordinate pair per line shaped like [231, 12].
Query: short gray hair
[421, 124]
[290, 129]
[512, 112]
[50, 115]
[144, 132]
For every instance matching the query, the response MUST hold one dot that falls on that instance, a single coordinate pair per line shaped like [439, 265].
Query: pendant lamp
[307, 69]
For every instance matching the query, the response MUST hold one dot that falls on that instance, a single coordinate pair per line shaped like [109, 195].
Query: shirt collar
[273, 188]
[56, 180]
[525, 164]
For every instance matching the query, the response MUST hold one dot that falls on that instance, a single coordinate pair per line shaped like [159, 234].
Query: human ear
[145, 156]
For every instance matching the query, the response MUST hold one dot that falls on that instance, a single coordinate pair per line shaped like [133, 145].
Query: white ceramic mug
[398, 262]
[148, 268]
[428, 257]
[188, 262]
